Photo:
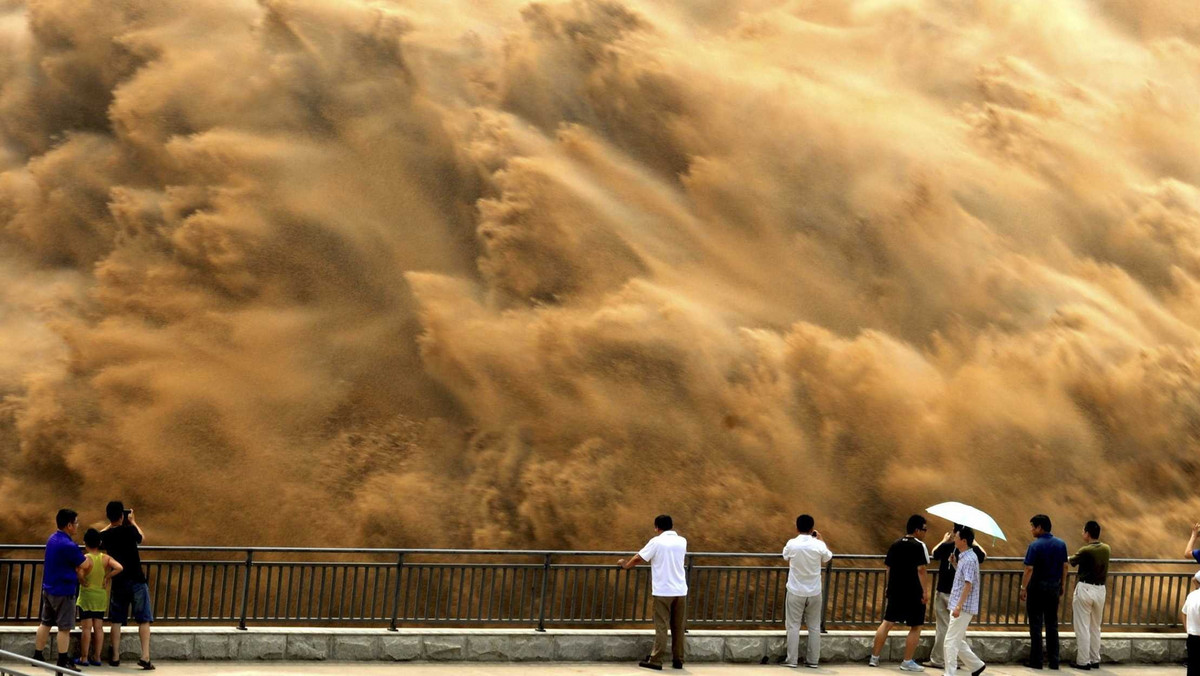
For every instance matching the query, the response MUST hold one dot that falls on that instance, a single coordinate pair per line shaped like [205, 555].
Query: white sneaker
[874, 661]
[910, 665]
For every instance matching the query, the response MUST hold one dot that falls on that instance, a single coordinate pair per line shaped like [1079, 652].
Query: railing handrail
[541, 588]
[35, 663]
[392, 551]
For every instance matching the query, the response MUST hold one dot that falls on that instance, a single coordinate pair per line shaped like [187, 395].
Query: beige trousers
[958, 648]
[1088, 609]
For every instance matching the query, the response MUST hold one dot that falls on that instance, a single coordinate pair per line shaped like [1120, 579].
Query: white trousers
[957, 647]
[808, 610]
[1088, 610]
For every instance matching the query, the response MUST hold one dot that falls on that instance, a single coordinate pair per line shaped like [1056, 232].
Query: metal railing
[6, 670]
[275, 586]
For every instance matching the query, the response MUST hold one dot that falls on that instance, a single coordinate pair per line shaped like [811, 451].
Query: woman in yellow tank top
[93, 599]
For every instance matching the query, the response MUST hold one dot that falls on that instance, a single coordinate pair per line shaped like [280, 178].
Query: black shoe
[1054, 666]
[676, 664]
[647, 664]
[146, 665]
[978, 671]
[114, 663]
[1094, 665]
[39, 656]
[1031, 664]
[1081, 667]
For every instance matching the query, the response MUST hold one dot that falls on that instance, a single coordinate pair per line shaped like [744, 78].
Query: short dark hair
[1042, 521]
[967, 533]
[92, 538]
[1092, 529]
[65, 517]
[114, 510]
[805, 523]
[663, 522]
[915, 523]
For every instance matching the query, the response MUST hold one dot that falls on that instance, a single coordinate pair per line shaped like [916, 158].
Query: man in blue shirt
[1044, 582]
[1191, 550]
[63, 567]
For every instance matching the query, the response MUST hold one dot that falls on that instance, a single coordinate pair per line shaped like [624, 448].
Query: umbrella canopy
[967, 516]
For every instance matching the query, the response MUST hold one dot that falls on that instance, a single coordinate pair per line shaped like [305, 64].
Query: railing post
[825, 592]
[396, 595]
[687, 575]
[542, 601]
[246, 588]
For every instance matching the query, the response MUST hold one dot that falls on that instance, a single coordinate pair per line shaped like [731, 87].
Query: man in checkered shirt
[964, 605]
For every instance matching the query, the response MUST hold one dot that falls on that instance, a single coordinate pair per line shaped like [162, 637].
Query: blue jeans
[126, 594]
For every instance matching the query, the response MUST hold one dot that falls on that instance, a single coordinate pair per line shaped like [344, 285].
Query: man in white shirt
[665, 552]
[805, 554]
[1191, 616]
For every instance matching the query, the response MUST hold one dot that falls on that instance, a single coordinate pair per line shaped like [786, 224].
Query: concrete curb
[572, 645]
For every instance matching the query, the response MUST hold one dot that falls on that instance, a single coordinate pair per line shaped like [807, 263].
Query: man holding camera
[806, 554]
[121, 539]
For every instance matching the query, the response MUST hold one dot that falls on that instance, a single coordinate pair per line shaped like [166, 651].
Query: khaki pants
[1088, 607]
[668, 612]
[808, 610]
[941, 611]
[957, 647]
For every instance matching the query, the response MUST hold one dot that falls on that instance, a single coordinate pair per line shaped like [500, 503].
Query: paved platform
[610, 669]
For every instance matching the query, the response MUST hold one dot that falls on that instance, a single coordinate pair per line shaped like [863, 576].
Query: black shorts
[91, 614]
[905, 611]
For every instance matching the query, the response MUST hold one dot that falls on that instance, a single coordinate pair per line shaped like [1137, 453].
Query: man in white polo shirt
[805, 554]
[665, 553]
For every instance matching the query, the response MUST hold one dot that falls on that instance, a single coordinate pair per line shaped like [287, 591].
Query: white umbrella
[967, 516]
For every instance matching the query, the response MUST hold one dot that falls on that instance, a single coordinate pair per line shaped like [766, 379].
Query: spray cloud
[526, 274]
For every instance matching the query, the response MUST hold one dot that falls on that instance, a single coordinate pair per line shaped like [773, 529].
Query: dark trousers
[669, 612]
[1193, 646]
[1041, 607]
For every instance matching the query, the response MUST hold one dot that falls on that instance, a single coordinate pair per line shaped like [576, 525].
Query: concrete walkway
[477, 669]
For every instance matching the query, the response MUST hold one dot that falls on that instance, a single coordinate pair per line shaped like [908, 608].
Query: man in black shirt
[907, 592]
[945, 553]
[121, 539]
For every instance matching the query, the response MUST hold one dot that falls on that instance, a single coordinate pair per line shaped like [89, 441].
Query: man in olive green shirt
[1088, 605]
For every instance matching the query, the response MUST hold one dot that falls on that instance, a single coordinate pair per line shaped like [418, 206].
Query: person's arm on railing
[630, 563]
[1191, 545]
[1025, 582]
